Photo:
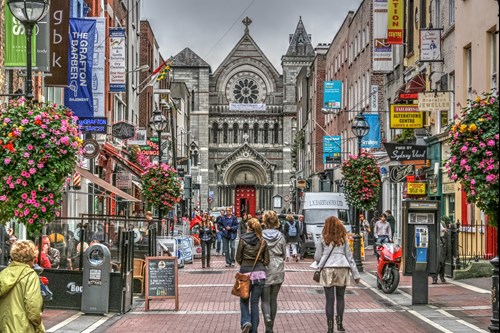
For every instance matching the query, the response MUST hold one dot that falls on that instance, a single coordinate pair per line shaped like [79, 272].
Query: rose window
[246, 91]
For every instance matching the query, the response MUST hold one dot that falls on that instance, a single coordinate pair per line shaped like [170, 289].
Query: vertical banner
[332, 149]
[374, 98]
[42, 30]
[78, 94]
[332, 94]
[382, 51]
[15, 41]
[59, 23]
[117, 60]
[372, 138]
[395, 22]
[430, 45]
[98, 66]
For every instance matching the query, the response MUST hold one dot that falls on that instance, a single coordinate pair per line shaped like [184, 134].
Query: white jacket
[340, 257]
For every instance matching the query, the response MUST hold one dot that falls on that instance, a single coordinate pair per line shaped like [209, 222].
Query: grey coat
[340, 257]
[275, 271]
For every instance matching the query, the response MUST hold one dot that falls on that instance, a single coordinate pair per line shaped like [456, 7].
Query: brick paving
[207, 306]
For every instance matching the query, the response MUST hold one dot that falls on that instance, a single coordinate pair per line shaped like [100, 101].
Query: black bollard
[494, 327]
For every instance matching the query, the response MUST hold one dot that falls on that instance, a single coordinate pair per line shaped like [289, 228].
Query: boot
[269, 327]
[330, 326]
[340, 328]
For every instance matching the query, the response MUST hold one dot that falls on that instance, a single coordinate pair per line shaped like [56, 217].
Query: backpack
[292, 229]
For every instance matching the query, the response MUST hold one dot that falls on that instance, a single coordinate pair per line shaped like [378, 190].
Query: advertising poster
[332, 95]
[372, 138]
[117, 60]
[78, 93]
[395, 23]
[332, 149]
[430, 45]
[98, 66]
[15, 42]
[382, 51]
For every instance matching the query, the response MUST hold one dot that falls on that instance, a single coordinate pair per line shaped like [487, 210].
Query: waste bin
[96, 277]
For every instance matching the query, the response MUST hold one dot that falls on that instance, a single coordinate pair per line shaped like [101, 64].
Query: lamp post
[158, 123]
[28, 12]
[359, 128]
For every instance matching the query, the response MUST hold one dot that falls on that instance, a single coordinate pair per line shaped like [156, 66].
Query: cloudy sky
[211, 28]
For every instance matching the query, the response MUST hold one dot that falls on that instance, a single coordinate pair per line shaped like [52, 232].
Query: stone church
[242, 123]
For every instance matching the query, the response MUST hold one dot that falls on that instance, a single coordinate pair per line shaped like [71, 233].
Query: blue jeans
[228, 249]
[250, 307]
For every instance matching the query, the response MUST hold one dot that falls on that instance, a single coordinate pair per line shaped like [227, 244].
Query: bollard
[494, 327]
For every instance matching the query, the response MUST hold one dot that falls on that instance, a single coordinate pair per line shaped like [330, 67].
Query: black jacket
[248, 247]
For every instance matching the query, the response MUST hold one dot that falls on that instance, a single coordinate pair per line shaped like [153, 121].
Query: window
[245, 128]
[437, 11]
[468, 71]
[276, 133]
[235, 132]
[215, 132]
[423, 14]
[409, 28]
[493, 59]
[451, 12]
[255, 133]
[266, 133]
[225, 130]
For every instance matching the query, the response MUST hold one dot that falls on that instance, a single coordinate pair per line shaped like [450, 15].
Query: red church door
[245, 200]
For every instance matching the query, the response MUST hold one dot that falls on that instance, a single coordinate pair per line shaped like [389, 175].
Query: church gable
[245, 152]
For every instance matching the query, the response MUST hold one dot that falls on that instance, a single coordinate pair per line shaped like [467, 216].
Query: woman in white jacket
[334, 255]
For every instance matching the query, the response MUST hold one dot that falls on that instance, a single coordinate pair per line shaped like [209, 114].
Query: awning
[104, 184]
[114, 153]
[139, 185]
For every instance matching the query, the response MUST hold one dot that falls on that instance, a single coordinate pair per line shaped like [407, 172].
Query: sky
[211, 28]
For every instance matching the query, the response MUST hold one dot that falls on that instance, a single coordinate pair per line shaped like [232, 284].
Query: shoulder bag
[317, 273]
[241, 286]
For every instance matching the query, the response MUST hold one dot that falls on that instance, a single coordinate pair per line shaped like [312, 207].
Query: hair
[255, 226]
[289, 217]
[388, 211]
[384, 215]
[334, 231]
[23, 251]
[85, 247]
[270, 219]
[148, 213]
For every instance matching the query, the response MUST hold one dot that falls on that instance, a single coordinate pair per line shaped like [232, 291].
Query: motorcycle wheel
[391, 284]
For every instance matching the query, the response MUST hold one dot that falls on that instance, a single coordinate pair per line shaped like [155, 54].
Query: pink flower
[24, 196]
[6, 120]
[29, 147]
[491, 143]
[43, 209]
[6, 160]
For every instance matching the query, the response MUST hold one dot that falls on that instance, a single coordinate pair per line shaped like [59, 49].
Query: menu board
[161, 279]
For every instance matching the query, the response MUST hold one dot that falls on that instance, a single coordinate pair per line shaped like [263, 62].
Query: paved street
[207, 306]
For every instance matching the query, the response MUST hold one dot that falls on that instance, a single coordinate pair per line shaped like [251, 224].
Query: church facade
[242, 123]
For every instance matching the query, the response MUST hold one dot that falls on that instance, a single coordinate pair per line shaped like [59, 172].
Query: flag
[164, 72]
[156, 73]
[194, 221]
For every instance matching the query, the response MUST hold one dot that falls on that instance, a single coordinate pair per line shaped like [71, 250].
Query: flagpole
[156, 71]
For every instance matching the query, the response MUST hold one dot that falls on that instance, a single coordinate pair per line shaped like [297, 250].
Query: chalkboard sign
[161, 279]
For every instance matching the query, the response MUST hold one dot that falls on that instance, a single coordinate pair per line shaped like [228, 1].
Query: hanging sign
[123, 130]
[117, 60]
[430, 45]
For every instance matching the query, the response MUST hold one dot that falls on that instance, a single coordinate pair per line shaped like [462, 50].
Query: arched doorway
[245, 200]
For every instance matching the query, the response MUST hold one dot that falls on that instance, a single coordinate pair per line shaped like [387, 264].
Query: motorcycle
[389, 261]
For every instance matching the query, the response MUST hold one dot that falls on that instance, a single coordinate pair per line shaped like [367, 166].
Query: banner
[332, 94]
[372, 138]
[430, 45]
[395, 22]
[247, 107]
[42, 31]
[117, 60]
[332, 149]
[405, 116]
[98, 66]
[382, 51]
[78, 93]
[15, 42]
[59, 23]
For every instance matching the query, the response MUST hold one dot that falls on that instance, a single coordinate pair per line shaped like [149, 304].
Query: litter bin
[96, 277]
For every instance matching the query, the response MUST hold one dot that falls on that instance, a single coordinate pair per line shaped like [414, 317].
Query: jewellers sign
[402, 152]
[398, 173]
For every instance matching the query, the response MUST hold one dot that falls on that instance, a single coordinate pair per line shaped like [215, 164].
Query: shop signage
[402, 152]
[93, 125]
[123, 130]
[434, 101]
[405, 116]
[91, 148]
[415, 189]
[398, 173]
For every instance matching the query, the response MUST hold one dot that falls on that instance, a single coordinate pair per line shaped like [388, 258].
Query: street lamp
[158, 123]
[359, 128]
[29, 12]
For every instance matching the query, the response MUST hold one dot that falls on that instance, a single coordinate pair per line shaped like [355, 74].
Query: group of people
[261, 254]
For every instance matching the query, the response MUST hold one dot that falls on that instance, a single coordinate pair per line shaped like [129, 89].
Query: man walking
[391, 220]
[229, 227]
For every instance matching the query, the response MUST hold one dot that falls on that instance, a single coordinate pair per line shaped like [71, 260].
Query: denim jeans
[206, 247]
[228, 249]
[250, 307]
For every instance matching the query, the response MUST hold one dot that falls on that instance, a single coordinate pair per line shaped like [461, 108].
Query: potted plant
[161, 187]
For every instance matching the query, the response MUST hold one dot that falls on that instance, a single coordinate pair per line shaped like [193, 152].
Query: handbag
[241, 287]
[317, 273]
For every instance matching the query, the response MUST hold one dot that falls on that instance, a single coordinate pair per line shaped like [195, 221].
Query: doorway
[245, 200]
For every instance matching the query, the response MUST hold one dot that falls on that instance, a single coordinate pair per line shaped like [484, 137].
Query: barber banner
[78, 93]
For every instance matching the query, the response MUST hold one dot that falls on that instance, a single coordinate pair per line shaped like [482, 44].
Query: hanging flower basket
[39, 145]
[161, 187]
[474, 151]
[362, 181]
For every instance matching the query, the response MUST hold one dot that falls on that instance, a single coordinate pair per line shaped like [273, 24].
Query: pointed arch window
[225, 132]
[255, 133]
[235, 132]
[215, 132]
[276, 132]
[245, 128]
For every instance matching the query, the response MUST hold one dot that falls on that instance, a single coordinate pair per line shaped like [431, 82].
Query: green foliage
[362, 181]
[474, 151]
[39, 145]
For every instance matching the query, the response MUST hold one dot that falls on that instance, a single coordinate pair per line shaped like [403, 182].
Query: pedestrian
[218, 222]
[243, 224]
[292, 236]
[229, 228]
[303, 235]
[4, 246]
[334, 255]
[206, 233]
[365, 228]
[392, 221]
[441, 253]
[382, 232]
[52, 253]
[20, 296]
[253, 257]
[275, 271]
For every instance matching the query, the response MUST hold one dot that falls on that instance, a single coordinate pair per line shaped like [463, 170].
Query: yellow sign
[395, 22]
[406, 116]
[415, 189]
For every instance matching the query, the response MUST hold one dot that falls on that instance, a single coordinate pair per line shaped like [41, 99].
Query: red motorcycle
[389, 260]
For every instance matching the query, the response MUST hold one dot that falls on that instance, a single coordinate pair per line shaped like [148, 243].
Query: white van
[316, 207]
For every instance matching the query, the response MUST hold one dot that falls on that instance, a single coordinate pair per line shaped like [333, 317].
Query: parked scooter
[389, 260]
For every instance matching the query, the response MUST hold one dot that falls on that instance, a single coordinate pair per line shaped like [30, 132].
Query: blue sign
[78, 93]
[93, 125]
[372, 138]
[332, 149]
[332, 95]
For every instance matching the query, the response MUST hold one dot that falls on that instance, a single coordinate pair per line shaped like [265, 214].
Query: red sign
[410, 179]
[408, 96]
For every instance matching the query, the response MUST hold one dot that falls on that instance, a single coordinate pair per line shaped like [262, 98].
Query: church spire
[247, 21]
[300, 42]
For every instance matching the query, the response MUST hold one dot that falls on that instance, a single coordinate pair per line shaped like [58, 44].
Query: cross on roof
[246, 21]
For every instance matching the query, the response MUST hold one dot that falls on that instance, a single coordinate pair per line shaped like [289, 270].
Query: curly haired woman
[334, 255]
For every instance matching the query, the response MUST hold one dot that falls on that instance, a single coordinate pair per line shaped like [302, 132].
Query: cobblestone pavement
[206, 305]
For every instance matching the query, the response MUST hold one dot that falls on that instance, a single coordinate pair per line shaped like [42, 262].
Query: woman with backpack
[292, 236]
